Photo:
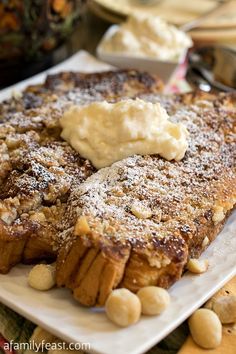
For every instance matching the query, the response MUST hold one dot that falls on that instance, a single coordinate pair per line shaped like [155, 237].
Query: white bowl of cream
[145, 43]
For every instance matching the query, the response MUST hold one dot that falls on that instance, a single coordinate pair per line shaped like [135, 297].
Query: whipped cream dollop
[148, 37]
[107, 132]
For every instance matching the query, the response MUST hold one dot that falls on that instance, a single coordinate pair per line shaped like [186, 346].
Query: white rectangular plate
[57, 312]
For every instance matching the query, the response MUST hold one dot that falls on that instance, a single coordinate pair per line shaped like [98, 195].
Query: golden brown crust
[37, 169]
[12, 243]
[36, 191]
[189, 200]
[82, 88]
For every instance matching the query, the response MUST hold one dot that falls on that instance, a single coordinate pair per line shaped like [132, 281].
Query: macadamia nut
[197, 266]
[81, 226]
[205, 328]
[225, 308]
[205, 242]
[40, 336]
[154, 300]
[42, 277]
[123, 307]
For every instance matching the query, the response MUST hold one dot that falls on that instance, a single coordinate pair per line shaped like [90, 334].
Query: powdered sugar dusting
[181, 195]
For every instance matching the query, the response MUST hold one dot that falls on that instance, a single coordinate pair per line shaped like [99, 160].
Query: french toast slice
[81, 88]
[35, 193]
[137, 222]
[38, 169]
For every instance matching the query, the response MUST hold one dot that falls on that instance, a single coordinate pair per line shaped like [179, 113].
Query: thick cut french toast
[81, 88]
[137, 222]
[33, 199]
[132, 224]
[38, 169]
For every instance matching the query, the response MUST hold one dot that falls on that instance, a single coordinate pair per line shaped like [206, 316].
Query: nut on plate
[205, 328]
[123, 307]
[225, 308]
[154, 300]
[197, 266]
[42, 277]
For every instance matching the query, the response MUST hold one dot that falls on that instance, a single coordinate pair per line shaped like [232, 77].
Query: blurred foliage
[29, 28]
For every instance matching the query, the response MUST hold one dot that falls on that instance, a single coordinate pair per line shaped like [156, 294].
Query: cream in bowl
[145, 43]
